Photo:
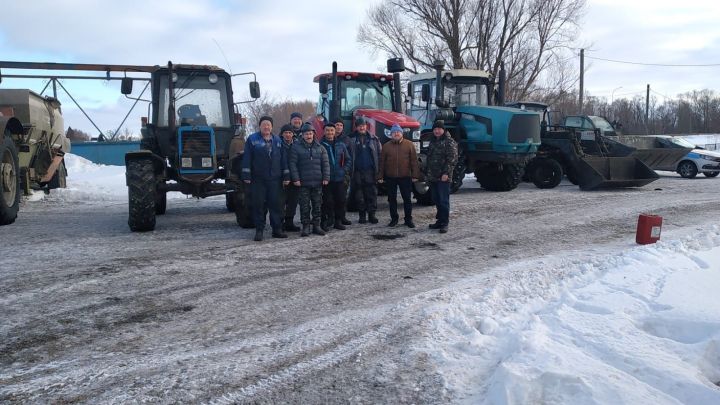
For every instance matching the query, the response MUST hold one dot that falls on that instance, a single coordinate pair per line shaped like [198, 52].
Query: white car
[702, 161]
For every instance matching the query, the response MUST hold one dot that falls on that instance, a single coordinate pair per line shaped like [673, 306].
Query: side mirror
[425, 90]
[126, 85]
[254, 89]
[323, 84]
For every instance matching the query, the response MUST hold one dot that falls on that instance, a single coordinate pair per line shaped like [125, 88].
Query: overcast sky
[288, 42]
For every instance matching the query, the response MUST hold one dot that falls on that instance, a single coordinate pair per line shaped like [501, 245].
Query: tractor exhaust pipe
[501, 86]
[171, 104]
[334, 103]
[395, 66]
[439, 65]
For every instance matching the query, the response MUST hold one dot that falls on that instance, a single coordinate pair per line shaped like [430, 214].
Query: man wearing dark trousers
[399, 169]
[365, 151]
[309, 170]
[441, 160]
[265, 169]
[334, 193]
[290, 191]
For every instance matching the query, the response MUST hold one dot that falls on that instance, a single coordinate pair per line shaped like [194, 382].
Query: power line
[653, 64]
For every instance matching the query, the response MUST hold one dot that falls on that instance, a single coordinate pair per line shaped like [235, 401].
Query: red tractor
[374, 96]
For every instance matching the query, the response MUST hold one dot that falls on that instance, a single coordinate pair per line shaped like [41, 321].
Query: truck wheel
[160, 202]
[687, 169]
[423, 196]
[711, 174]
[546, 173]
[9, 181]
[503, 178]
[141, 195]
[243, 214]
[58, 179]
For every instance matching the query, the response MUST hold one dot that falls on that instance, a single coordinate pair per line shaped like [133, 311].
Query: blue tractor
[495, 143]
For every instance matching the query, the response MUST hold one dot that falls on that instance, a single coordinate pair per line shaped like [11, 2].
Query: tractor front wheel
[141, 195]
[503, 177]
[545, 173]
[9, 181]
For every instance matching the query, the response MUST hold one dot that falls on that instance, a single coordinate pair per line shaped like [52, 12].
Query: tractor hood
[388, 118]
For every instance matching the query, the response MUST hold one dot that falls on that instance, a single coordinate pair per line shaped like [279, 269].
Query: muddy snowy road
[197, 312]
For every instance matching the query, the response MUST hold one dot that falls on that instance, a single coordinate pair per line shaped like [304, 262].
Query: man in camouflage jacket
[441, 160]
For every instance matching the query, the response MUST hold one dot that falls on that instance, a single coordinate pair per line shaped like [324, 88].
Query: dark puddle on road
[427, 245]
[387, 236]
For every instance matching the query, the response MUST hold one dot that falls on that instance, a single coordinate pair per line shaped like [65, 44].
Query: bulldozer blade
[595, 172]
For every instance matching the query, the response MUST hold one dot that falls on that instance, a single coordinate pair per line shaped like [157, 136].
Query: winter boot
[305, 230]
[339, 225]
[409, 223]
[317, 230]
[362, 217]
[325, 225]
[345, 221]
[289, 226]
[258, 235]
[443, 228]
[393, 222]
[372, 218]
[279, 234]
[436, 225]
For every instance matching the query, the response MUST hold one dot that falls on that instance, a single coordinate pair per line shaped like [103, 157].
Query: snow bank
[642, 326]
[90, 182]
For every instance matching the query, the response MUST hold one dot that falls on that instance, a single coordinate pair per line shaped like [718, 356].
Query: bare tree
[278, 109]
[533, 38]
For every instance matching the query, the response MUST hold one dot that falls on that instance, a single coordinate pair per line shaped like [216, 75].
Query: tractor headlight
[213, 78]
[387, 133]
[186, 162]
[416, 135]
[174, 77]
[206, 162]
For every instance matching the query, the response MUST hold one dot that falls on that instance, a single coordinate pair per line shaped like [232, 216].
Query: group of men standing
[315, 171]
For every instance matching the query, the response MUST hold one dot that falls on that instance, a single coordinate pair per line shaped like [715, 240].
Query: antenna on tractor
[224, 56]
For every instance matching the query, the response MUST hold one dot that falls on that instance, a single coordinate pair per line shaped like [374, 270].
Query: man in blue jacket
[265, 170]
[334, 194]
[365, 151]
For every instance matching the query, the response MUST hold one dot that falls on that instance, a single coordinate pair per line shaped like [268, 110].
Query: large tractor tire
[458, 174]
[160, 202]
[9, 181]
[230, 201]
[141, 195]
[243, 213]
[422, 193]
[687, 169]
[502, 178]
[711, 174]
[545, 173]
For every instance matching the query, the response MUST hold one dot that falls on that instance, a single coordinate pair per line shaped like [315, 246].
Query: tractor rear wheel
[504, 177]
[458, 175]
[160, 202]
[230, 201]
[546, 173]
[9, 181]
[141, 195]
[243, 214]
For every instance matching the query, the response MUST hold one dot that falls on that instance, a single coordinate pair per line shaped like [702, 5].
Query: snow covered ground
[638, 327]
[534, 296]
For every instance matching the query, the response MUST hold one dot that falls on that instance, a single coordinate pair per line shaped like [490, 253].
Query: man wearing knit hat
[296, 120]
[442, 157]
[399, 168]
[265, 170]
[290, 194]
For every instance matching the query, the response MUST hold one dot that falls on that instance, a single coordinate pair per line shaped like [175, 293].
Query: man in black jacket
[309, 170]
[290, 192]
[365, 151]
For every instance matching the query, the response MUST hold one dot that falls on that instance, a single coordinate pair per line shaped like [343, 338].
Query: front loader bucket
[594, 172]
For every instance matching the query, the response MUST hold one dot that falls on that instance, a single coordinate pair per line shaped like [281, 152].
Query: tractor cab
[375, 97]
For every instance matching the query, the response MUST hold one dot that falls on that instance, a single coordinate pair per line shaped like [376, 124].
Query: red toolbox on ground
[648, 229]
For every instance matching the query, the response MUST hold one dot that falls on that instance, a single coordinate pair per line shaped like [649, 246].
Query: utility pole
[582, 78]
[647, 109]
